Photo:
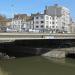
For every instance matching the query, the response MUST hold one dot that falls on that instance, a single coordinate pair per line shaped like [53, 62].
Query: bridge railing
[35, 36]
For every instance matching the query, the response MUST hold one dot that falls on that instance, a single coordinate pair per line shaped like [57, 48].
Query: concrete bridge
[33, 39]
[25, 36]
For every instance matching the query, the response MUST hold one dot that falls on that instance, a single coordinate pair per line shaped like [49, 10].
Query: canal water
[37, 65]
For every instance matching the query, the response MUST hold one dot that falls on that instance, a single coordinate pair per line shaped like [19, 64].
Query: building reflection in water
[56, 60]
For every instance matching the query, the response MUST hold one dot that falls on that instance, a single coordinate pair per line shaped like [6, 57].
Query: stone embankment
[5, 56]
[55, 54]
[60, 52]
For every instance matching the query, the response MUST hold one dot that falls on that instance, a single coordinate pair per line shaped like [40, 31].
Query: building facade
[19, 22]
[72, 27]
[4, 23]
[44, 23]
[55, 19]
[60, 15]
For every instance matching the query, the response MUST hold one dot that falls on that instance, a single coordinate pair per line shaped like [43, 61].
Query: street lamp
[12, 8]
[55, 14]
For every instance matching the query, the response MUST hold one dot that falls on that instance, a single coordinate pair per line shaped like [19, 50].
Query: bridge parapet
[20, 36]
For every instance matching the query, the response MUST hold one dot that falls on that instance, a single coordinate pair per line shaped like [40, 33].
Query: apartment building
[72, 27]
[19, 22]
[55, 19]
[4, 23]
[43, 23]
[60, 16]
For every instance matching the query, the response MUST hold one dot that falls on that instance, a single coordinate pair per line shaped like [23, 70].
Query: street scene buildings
[55, 19]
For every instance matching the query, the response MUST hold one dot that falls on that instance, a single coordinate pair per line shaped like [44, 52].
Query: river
[37, 65]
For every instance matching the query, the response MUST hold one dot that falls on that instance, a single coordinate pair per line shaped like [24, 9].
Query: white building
[47, 23]
[56, 19]
[30, 24]
[60, 15]
[72, 27]
[42, 22]
[19, 23]
[16, 24]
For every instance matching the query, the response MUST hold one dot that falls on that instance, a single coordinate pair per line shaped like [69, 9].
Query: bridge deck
[22, 35]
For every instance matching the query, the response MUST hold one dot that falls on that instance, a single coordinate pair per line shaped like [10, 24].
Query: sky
[10, 7]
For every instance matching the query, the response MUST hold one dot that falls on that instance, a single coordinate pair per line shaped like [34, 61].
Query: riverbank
[5, 56]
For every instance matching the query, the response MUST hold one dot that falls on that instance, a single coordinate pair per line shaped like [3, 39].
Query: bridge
[35, 38]
[25, 36]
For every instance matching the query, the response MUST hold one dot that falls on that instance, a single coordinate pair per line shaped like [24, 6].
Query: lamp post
[55, 14]
[12, 9]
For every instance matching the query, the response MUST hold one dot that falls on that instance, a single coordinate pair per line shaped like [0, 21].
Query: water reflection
[56, 60]
[37, 66]
[63, 61]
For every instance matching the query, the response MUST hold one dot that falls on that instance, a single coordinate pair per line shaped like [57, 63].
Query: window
[37, 22]
[42, 26]
[46, 26]
[46, 22]
[53, 18]
[37, 26]
[56, 26]
[47, 17]
[19, 22]
[42, 17]
[37, 17]
[52, 22]
[52, 26]
[42, 21]
[50, 18]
